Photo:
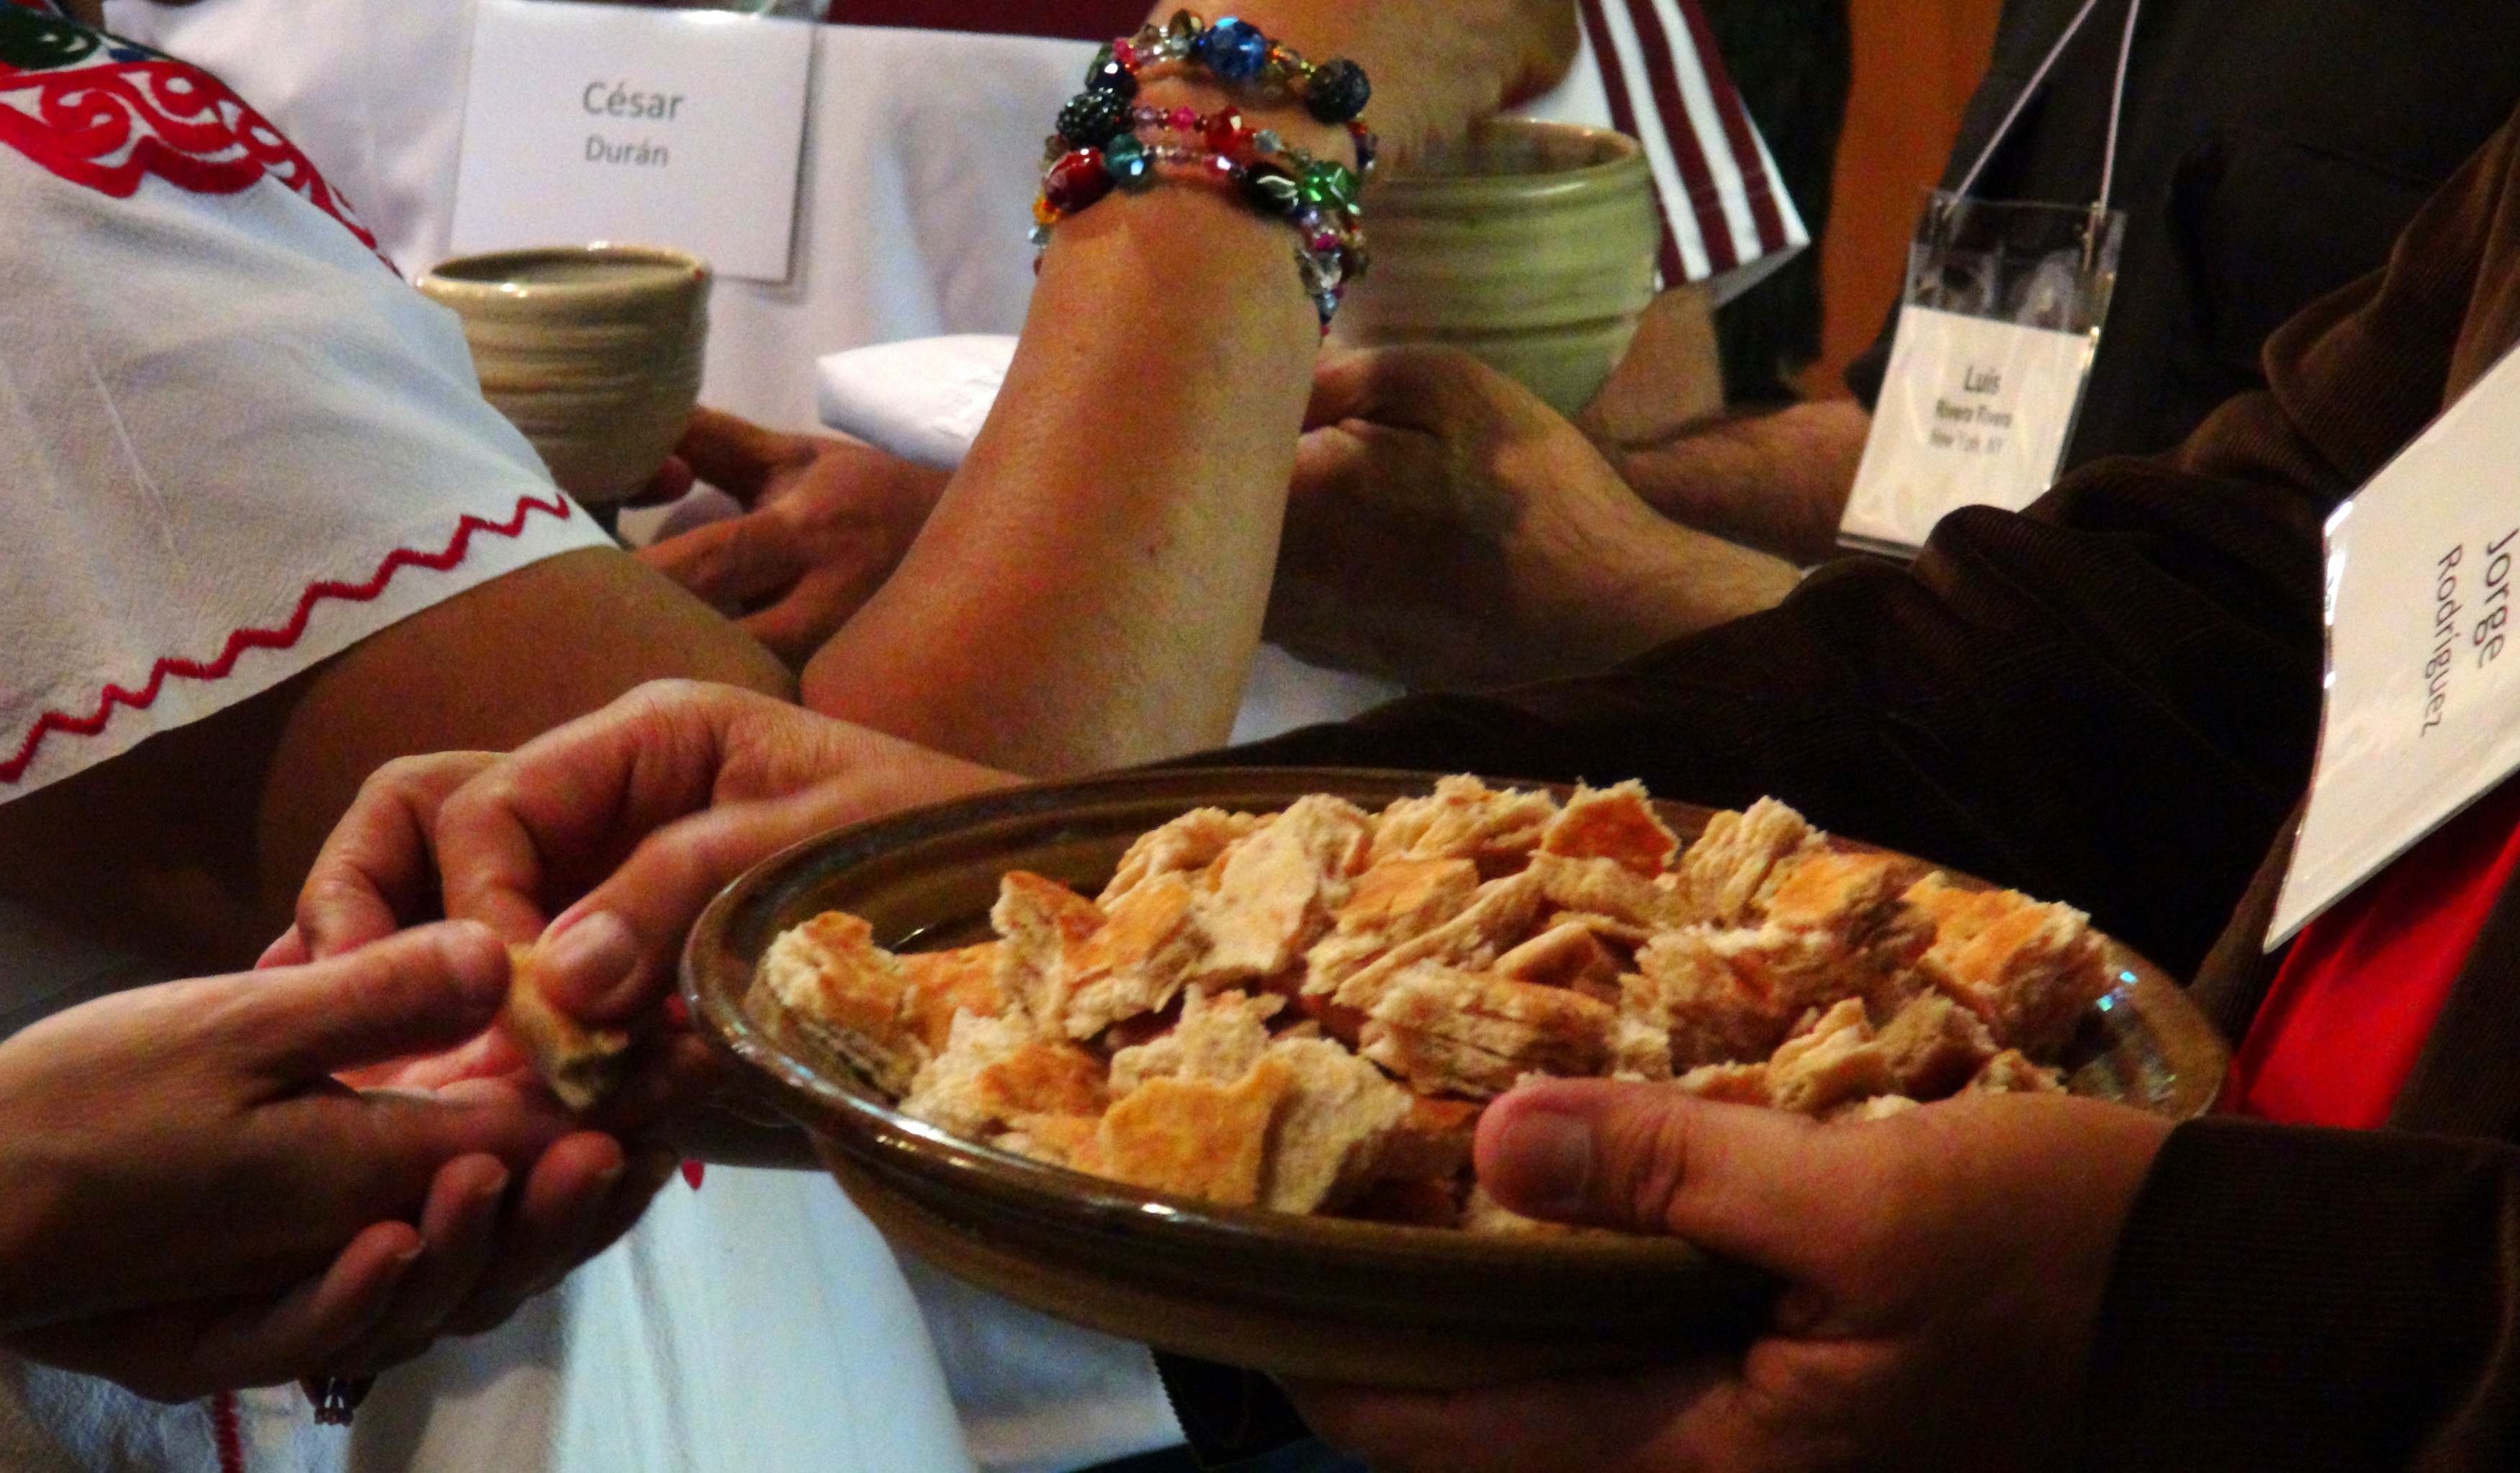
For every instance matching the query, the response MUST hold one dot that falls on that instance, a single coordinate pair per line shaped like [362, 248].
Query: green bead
[1329, 186]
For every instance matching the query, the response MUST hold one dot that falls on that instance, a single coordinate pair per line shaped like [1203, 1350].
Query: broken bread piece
[1276, 890]
[849, 995]
[1466, 819]
[1615, 824]
[1194, 1138]
[1394, 901]
[580, 1064]
[1723, 880]
[1188, 845]
[2029, 969]
[996, 1071]
[1339, 1115]
[1474, 1034]
[941, 984]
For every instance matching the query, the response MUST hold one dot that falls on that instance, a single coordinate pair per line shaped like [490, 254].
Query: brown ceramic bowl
[1316, 1297]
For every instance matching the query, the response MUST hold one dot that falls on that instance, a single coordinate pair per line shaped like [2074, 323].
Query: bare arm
[1775, 481]
[1090, 587]
[191, 845]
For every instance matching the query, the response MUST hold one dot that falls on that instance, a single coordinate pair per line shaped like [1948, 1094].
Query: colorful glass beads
[1110, 73]
[1076, 181]
[1235, 49]
[1092, 119]
[1337, 91]
[1126, 160]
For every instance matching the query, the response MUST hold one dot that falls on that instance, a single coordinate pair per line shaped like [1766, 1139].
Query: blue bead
[1235, 49]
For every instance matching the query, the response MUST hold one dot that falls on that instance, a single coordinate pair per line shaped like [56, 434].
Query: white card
[1975, 412]
[2423, 651]
[608, 123]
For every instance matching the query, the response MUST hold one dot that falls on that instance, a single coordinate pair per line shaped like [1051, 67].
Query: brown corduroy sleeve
[2302, 1300]
[2361, 372]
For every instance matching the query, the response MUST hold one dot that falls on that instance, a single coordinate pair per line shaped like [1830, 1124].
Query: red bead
[1125, 54]
[1220, 169]
[1184, 120]
[1076, 181]
[1225, 132]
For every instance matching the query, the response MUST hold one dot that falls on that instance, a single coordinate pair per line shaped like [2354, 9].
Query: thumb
[420, 991]
[736, 454]
[612, 953]
[1648, 1158]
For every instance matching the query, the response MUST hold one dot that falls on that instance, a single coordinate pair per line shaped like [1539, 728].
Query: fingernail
[1544, 1162]
[407, 1257]
[591, 959]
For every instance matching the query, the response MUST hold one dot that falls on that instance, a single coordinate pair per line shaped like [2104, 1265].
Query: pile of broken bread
[1306, 1011]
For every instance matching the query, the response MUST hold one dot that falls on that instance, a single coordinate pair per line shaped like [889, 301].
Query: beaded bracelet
[1097, 145]
[1316, 198]
[1238, 55]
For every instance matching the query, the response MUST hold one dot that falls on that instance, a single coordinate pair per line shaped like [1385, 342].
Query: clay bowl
[1528, 245]
[1315, 1297]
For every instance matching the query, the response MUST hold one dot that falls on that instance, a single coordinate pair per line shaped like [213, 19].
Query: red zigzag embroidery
[281, 638]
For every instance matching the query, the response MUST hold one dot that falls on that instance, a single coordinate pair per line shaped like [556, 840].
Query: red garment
[2350, 1010]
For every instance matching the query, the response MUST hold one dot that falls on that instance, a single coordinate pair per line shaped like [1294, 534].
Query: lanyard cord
[2117, 103]
[2039, 79]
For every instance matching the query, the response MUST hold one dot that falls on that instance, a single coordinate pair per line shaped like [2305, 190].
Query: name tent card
[2422, 709]
[605, 122]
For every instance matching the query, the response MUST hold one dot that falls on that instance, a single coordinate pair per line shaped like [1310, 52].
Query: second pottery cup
[1529, 245]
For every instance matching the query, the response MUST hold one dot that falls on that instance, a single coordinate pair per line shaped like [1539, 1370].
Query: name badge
[2001, 319]
[2422, 708]
[606, 122]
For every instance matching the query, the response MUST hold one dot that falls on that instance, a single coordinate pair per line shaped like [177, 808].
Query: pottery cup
[1529, 245]
[593, 351]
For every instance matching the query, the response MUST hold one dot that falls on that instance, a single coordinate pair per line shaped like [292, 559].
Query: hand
[1944, 1270]
[1436, 64]
[196, 1203]
[1447, 529]
[824, 523]
[639, 814]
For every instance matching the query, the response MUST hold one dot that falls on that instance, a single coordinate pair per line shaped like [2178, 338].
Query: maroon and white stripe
[1726, 216]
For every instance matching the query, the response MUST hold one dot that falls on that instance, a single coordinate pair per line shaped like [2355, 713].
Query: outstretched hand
[615, 832]
[1448, 528]
[824, 523]
[196, 1203]
[1944, 1270]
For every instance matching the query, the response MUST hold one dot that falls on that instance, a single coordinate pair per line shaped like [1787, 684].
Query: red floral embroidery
[109, 124]
[279, 638]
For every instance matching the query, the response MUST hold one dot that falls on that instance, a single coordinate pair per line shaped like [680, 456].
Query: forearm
[1777, 482]
[2287, 1298]
[1088, 592]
